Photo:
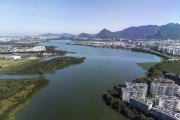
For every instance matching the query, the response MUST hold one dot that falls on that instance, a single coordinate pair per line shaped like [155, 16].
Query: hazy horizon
[23, 17]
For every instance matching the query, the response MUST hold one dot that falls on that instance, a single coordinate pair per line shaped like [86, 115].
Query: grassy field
[27, 67]
[10, 65]
[173, 67]
[147, 66]
[15, 94]
[159, 69]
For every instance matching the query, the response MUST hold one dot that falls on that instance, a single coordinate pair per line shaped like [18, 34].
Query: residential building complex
[14, 49]
[163, 102]
[172, 50]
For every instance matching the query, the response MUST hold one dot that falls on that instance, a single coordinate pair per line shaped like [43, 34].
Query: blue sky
[33, 17]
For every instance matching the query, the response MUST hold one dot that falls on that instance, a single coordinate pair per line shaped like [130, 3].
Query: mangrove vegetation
[52, 50]
[37, 66]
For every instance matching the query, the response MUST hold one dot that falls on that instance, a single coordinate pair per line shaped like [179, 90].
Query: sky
[33, 17]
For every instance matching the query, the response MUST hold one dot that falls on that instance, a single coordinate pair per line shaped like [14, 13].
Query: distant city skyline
[24, 17]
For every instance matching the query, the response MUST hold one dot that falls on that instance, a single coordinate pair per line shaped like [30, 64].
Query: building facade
[134, 89]
[164, 114]
[170, 103]
[158, 89]
[141, 104]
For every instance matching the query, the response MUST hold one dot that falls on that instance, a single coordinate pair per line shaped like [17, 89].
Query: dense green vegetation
[113, 99]
[15, 94]
[163, 67]
[142, 80]
[158, 70]
[40, 67]
[7, 65]
[52, 50]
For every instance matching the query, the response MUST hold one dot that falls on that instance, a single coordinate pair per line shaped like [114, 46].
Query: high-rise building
[134, 89]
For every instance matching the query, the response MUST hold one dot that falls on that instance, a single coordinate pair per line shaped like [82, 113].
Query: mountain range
[57, 35]
[86, 35]
[168, 31]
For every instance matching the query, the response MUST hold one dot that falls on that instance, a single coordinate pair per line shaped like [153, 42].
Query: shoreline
[22, 97]
[31, 67]
[162, 56]
[147, 65]
[112, 97]
[37, 67]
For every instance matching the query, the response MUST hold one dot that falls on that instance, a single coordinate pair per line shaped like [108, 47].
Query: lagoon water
[75, 92]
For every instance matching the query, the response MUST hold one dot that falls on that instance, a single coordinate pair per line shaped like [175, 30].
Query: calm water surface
[75, 92]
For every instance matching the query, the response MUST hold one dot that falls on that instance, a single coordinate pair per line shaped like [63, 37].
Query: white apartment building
[170, 103]
[142, 104]
[173, 50]
[161, 89]
[15, 57]
[134, 89]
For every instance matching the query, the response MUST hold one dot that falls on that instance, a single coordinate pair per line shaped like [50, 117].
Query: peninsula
[29, 67]
[155, 96]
